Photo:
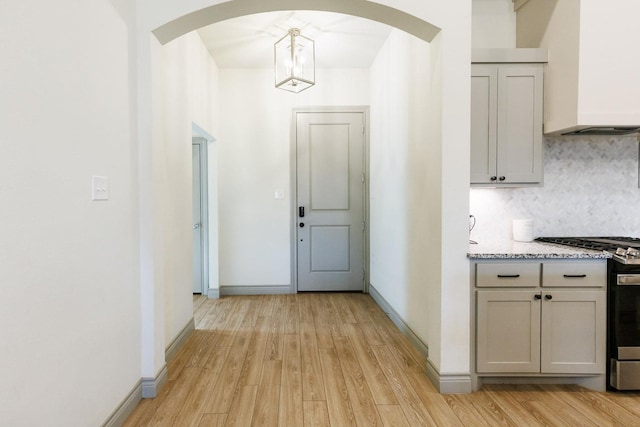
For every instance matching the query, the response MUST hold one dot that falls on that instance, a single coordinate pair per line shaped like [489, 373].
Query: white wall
[69, 293]
[254, 162]
[401, 251]
[190, 88]
[590, 189]
[493, 24]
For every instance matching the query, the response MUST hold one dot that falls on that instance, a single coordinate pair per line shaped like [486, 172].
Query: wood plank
[324, 335]
[219, 315]
[252, 367]
[147, 408]
[517, 412]
[213, 420]
[312, 383]
[222, 393]
[465, 411]
[305, 315]
[276, 330]
[316, 414]
[376, 380]
[228, 331]
[242, 407]
[356, 303]
[564, 410]
[206, 346]
[292, 316]
[342, 309]
[167, 412]
[265, 413]
[194, 404]
[393, 416]
[291, 409]
[181, 359]
[597, 406]
[338, 404]
[362, 402]
[413, 408]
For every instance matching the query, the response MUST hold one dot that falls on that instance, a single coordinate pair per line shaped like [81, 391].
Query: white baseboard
[148, 387]
[213, 293]
[255, 290]
[446, 384]
[450, 383]
[179, 340]
[151, 386]
[399, 322]
[126, 407]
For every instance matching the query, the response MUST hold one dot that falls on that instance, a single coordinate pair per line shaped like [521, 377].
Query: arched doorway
[451, 67]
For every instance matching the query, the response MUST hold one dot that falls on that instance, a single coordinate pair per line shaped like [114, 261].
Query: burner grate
[609, 244]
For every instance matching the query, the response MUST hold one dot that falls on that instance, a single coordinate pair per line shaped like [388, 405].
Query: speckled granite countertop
[530, 250]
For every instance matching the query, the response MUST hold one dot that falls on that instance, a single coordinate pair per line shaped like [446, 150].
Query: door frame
[202, 142]
[293, 167]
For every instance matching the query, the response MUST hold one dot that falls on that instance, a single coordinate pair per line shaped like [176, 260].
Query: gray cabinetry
[530, 327]
[506, 124]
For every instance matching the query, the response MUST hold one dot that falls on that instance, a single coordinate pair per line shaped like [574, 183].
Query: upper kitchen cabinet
[591, 80]
[506, 117]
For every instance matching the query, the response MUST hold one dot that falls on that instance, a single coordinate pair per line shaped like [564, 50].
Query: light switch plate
[99, 187]
[279, 194]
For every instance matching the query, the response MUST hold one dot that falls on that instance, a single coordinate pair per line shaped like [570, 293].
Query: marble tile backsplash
[590, 188]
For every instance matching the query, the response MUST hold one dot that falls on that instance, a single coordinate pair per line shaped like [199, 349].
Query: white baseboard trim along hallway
[447, 384]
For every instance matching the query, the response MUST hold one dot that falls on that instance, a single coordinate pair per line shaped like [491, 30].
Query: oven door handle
[629, 279]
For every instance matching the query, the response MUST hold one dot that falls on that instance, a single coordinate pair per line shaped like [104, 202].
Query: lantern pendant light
[294, 62]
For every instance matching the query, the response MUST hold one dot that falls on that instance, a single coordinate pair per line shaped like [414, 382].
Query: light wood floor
[337, 360]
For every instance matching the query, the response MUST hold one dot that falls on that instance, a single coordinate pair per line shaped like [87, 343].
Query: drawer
[570, 274]
[507, 274]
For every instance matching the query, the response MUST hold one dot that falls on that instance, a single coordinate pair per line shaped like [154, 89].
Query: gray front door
[330, 190]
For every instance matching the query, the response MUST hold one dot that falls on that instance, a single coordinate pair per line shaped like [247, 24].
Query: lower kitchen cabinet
[573, 331]
[546, 331]
[508, 331]
[540, 318]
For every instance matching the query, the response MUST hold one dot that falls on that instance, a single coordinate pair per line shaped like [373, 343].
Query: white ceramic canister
[523, 230]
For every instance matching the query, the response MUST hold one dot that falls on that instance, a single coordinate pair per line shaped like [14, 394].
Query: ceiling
[341, 41]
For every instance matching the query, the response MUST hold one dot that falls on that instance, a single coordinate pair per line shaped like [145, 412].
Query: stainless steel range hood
[591, 80]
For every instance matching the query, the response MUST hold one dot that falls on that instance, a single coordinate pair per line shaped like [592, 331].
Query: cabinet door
[484, 97]
[508, 331]
[519, 124]
[573, 332]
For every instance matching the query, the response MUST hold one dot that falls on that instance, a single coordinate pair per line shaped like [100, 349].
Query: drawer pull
[508, 276]
[575, 276]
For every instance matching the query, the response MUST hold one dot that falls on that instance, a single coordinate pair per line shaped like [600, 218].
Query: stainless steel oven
[623, 305]
[624, 326]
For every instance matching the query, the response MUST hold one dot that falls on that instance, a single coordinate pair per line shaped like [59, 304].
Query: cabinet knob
[548, 297]
[502, 178]
[493, 178]
[538, 297]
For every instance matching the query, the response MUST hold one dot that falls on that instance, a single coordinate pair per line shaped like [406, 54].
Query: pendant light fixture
[294, 62]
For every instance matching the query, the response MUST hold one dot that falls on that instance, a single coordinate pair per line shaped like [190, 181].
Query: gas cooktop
[625, 250]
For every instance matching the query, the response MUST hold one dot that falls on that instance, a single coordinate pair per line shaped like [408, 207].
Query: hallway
[336, 359]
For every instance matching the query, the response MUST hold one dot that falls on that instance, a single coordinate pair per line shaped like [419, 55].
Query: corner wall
[69, 266]
[401, 204]
[190, 85]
